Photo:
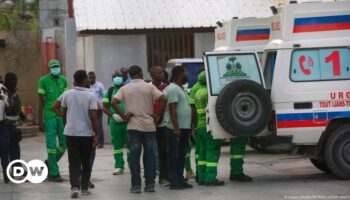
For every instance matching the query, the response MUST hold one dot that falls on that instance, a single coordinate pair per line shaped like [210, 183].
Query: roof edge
[146, 31]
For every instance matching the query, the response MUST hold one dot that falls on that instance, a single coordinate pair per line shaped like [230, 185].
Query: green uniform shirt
[193, 92]
[201, 101]
[51, 89]
[107, 100]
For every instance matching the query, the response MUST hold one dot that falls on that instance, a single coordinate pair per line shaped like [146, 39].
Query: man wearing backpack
[118, 127]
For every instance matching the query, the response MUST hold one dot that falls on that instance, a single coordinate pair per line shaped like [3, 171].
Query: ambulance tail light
[272, 124]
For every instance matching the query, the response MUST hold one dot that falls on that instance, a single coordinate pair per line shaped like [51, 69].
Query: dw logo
[35, 171]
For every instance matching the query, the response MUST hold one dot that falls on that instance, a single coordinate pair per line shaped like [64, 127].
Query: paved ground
[275, 177]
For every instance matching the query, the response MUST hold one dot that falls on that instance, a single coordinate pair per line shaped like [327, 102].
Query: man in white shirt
[98, 89]
[81, 129]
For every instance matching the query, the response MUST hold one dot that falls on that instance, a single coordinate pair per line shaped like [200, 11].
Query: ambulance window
[260, 54]
[224, 69]
[269, 68]
[320, 64]
[193, 69]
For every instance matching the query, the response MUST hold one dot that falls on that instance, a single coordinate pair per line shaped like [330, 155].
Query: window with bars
[162, 47]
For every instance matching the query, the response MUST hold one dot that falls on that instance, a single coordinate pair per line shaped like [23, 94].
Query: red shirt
[161, 87]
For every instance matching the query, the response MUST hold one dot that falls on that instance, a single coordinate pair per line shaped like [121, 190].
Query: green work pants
[208, 157]
[237, 155]
[54, 128]
[119, 137]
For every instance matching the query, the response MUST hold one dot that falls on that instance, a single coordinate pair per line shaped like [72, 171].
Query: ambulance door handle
[303, 105]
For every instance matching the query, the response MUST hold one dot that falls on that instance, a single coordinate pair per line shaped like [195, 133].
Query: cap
[202, 77]
[54, 63]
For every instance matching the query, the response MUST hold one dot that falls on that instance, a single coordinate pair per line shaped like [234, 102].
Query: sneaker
[91, 185]
[164, 183]
[74, 193]
[118, 171]
[241, 178]
[55, 179]
[150, 188]
[186, 185]
[100, 146]
[176, 186]
[85, 192]
[190, 175]
[215, 183]
[135, 189]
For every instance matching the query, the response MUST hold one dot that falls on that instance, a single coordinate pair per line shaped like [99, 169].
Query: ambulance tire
[320, 165]
[243, 108]
[337, 152]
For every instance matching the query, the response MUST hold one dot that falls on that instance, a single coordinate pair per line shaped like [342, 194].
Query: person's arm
[173, 98]
[94, 124]
[64, 117]
[57, 108]
[162, 104]
[106, 110]
[173, 118]
[41, 92]
[115, 105]
[40, 119]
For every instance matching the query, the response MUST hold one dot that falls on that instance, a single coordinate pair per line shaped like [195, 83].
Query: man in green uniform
[209, 148]
[238, 146]
[118, 127]
[188, 168]
[50, 88]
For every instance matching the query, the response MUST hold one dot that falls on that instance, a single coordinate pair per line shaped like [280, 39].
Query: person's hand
[157, 118]
[117, 118]
[128, 116]
[94, 142]
[41, 127]
[177, 132]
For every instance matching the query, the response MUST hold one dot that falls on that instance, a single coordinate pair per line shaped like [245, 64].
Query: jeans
[15, 150]
[177, 146]
[101, 137]
[162, 153]
[4, 148]
[79, 154]
[147, 140]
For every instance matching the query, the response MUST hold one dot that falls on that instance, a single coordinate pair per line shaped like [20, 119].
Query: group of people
[157, 117]
[10, 112]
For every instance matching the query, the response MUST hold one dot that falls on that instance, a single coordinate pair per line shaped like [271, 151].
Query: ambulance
[302, 90]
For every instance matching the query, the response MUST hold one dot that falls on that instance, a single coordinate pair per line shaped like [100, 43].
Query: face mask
[55, 71]
[118, 81]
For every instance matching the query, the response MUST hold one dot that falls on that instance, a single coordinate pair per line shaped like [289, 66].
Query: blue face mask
[118, 81]
[55, 71]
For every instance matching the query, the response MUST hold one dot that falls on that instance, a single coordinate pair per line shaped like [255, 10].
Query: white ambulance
[306, 69]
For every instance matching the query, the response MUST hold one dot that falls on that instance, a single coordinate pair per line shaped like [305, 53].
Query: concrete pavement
[275, 177]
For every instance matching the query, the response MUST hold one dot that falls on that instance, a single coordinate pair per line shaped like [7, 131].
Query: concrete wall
[22, 57]
[203, 42]
[51, 10]
[112, 52]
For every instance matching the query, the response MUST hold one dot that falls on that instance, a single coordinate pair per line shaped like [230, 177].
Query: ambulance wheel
[337, 152]
[243, 108]
[320, 165]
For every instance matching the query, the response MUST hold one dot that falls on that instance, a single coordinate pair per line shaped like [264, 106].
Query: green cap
[202, 78]
[54, 63]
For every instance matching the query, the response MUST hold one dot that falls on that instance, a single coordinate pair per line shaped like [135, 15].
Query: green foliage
[20, 16]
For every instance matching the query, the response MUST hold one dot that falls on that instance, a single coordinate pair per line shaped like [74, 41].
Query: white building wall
[203, 42]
